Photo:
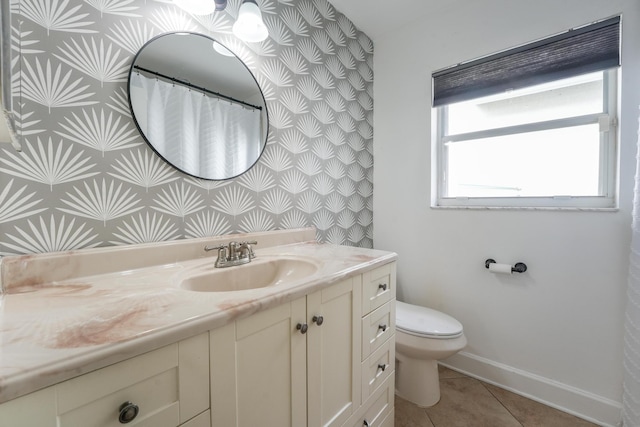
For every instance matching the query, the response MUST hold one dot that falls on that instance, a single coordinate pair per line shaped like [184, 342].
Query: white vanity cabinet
[168, 387]
[318, 361]
[326, 359]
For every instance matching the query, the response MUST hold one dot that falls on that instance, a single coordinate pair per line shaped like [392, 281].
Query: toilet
[423, 336]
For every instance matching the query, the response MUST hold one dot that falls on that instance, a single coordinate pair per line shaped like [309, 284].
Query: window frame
[608, 121]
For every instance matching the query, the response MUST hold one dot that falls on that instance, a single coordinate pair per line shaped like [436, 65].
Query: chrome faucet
[235, 253]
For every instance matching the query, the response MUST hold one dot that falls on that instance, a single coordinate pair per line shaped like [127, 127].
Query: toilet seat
[426, 322]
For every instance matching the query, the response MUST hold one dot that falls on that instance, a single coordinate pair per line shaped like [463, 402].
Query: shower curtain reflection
[200, 134]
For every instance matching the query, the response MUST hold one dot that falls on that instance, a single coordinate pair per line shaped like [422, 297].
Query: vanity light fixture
[201, 7]
[249, 26]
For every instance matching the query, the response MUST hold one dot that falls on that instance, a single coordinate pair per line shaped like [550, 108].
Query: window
[546, 141]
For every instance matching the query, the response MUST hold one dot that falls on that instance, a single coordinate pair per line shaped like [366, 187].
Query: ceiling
[379, 17]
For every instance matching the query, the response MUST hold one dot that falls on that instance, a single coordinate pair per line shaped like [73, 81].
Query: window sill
[526, 208]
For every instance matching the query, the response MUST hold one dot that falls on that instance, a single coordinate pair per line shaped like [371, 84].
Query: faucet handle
[213, 248]
[222, 254]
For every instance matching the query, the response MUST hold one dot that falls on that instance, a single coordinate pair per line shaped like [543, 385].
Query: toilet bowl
[423, 336]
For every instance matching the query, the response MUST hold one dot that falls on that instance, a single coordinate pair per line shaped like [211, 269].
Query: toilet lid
[423, 321]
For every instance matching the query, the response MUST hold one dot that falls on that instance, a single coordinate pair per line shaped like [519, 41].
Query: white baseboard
[588, 406]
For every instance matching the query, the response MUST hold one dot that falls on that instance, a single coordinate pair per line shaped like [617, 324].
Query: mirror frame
[266, 127]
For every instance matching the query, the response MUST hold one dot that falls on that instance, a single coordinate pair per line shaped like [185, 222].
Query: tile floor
[467, 402]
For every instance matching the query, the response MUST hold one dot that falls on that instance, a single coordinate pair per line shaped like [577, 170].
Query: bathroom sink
[259, 273]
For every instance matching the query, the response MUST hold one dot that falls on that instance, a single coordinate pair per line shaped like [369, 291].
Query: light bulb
[249, 26]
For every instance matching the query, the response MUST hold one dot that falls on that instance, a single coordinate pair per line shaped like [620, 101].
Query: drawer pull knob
[128, 412]
[382, 286]
[383, 327]
[382, 367]
[318, 320]
[302, 327]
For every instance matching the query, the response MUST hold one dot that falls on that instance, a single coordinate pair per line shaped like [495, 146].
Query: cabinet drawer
[377, 327]
[378, 407]
[156, 382]
[379, 286]
[149, 381]
[390, 420]
[377, 368]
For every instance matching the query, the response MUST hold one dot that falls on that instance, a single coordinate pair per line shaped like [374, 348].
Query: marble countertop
[54, 331]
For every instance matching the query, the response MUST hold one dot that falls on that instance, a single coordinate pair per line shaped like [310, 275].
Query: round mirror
[198, 105]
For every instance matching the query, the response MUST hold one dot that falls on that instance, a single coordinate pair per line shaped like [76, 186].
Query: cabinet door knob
[383, 327]
[318, 320]
[302, 327]
[382, 366]
[382, 286]
[128, 412]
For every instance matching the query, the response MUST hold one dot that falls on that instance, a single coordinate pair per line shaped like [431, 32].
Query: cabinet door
[333, 353]
[193, 378]
[258, 370]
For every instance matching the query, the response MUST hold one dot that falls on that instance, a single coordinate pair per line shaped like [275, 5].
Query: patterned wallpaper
[86, 178]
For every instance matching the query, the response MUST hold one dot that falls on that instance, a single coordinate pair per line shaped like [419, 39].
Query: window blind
[587, 49]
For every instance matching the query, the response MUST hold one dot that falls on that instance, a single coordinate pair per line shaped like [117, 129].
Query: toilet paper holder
[518, 267]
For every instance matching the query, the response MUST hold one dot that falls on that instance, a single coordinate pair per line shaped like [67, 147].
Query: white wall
[555, 332]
